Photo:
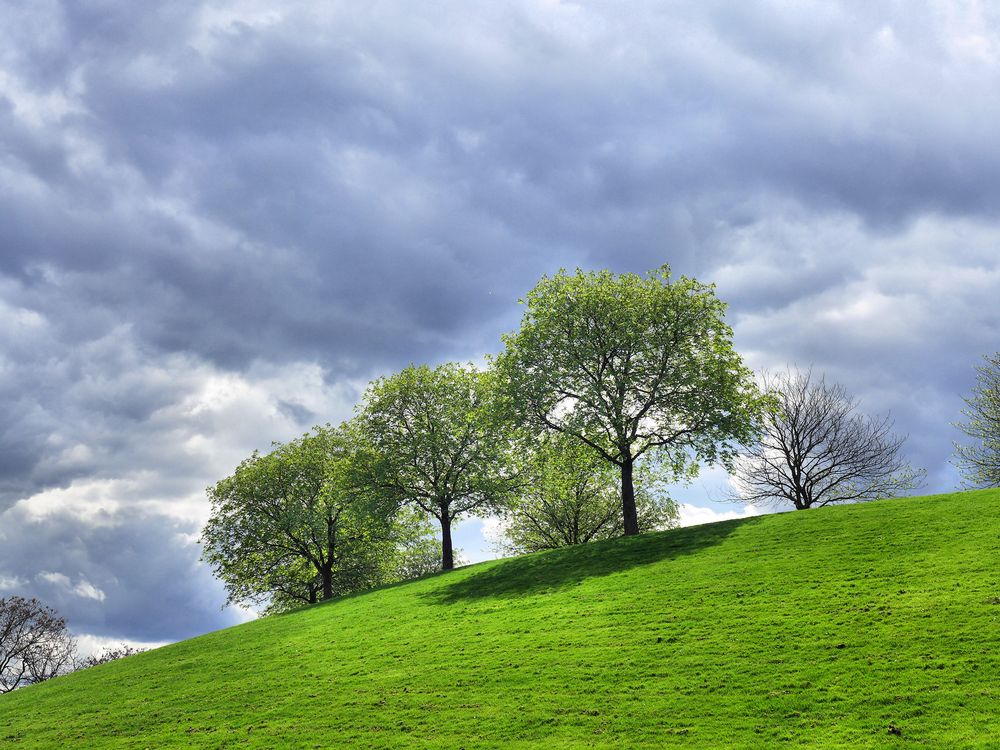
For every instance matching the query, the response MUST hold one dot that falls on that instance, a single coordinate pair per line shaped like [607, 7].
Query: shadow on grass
[557, 569]
[357, 594]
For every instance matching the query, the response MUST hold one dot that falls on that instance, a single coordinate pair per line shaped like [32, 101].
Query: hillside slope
[815, 629]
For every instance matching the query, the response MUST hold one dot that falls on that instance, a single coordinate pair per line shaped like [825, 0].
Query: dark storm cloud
[352, 189]
[199, 200]
[128, 576]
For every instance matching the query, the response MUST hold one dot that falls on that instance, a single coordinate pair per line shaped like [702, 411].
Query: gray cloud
[128, 575]
[217, 220]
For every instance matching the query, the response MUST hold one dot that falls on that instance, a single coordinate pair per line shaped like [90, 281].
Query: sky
[219, 220]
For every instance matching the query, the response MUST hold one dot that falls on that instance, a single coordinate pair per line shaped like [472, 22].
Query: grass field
[866, 626]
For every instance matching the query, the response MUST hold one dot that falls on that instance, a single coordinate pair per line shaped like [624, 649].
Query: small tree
[34, 643]
[418, 552]
[630, 365]
[295, 525]
[979, 461]
[440, 446]
[571, 496]
[815, 448]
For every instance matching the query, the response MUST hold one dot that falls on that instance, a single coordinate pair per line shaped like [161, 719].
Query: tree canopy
[440, 445]
[630, 365]
[570, 495]
[295, 525]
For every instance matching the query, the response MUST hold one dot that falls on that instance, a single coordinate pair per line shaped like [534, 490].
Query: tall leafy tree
[295, 525]
[630, 365]
[978, 459]
[571, 496]
[441, 446]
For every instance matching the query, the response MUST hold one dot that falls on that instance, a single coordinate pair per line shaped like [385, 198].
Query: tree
[296, 525]
[815, 448]
[34, 643]
[571, 496]
[979, 461]
[440, 445]
[418, 552]
[630, 365]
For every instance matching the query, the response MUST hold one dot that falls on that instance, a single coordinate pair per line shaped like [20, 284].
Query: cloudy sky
[219, 220]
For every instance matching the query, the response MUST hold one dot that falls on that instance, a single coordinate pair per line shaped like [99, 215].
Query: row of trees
[345, 508]
[612, 386]
[36, 645]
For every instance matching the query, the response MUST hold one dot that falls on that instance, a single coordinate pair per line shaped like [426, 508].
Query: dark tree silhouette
[815, 448]
[34, 643]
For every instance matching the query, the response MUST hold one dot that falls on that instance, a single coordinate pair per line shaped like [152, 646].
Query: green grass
[816, 629]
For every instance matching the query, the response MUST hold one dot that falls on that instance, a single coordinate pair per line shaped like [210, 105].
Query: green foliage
[297, 524]
[979, 460]
[815, 630]
[418, 552]
[570, 495]
[439, 443]
[630, 365]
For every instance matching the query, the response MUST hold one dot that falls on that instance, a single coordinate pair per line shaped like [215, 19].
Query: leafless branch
[816, 448]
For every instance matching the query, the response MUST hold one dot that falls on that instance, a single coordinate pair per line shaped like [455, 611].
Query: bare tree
[34, 643]
[979, 461]
[815, 448]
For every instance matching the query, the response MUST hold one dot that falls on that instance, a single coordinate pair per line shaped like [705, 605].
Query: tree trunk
[328, 581]
[631, 517]
[331, 546]
[447, 556]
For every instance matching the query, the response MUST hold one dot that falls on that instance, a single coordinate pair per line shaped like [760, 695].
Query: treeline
[613, 386]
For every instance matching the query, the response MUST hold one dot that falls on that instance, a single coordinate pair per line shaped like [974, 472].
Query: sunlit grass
[814, 629]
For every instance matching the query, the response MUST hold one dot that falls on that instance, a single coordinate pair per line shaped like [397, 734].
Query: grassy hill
[818, 629]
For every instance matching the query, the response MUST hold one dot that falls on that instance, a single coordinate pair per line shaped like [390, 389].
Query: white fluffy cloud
[81, 588]
[692, 515]
[120, 527]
